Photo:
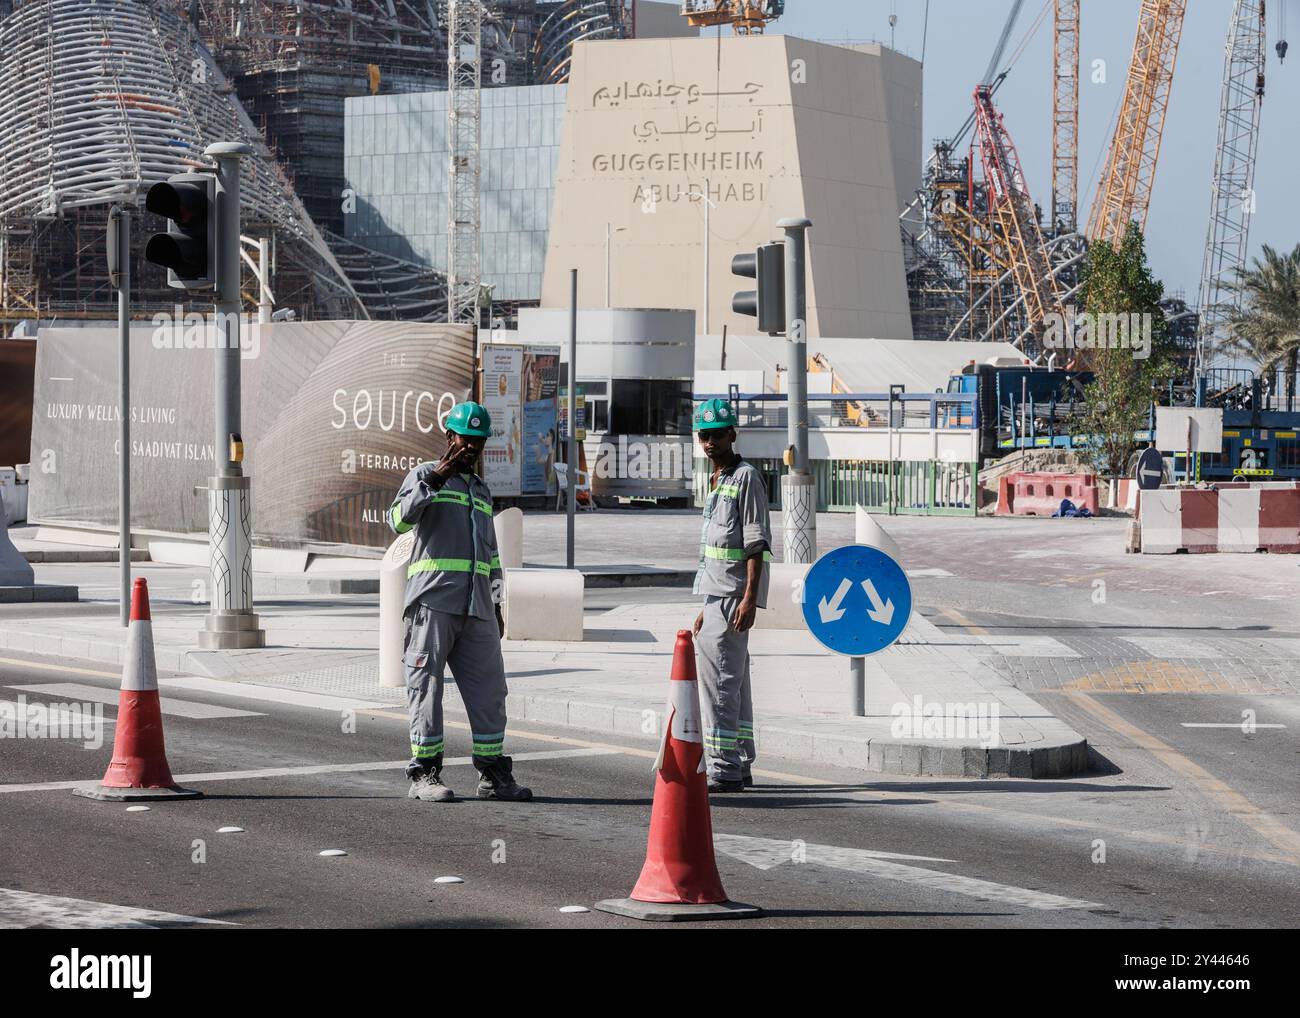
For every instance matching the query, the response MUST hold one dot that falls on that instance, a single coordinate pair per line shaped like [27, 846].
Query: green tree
[1266, 327]
[1118, 281]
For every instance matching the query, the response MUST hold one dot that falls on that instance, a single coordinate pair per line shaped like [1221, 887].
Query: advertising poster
[541, 374]
[334, 416]
[502, 456]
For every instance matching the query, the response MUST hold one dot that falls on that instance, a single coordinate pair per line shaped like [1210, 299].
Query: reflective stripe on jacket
[454, 566]
[736, 526]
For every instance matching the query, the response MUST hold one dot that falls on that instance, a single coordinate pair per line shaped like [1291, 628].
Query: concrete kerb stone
[829, 740]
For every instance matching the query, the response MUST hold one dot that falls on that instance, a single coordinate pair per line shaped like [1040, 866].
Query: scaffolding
[98, 101]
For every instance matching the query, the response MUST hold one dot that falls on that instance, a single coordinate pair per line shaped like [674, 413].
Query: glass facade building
[395, 164]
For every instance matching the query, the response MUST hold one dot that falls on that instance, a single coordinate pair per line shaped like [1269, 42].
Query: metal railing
[920, 410]
[899, 487]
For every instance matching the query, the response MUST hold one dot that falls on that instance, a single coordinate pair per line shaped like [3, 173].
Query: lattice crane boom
[1124, 191]
[464, 102]
[1014, 213]
[1232, 185]
[1065, 117]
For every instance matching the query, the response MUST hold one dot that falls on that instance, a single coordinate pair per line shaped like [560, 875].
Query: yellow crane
[1124, 191]
[746, 17]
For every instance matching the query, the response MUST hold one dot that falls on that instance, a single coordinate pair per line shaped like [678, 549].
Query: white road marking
[916, 573]
[270, 694]
[765, 853]
[64, 714]
[23, 910]
[170, 705]
[1240, 725]
[292, 772]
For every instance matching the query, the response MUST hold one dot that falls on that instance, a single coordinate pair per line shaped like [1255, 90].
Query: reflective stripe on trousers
[726, 702]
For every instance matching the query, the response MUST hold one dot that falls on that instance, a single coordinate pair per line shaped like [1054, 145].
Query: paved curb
[782, 737]
[794, 739]
[83, 555]
[39, 592]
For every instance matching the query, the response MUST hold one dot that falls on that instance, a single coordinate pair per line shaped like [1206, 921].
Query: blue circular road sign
[1150, 469]
[856, 600]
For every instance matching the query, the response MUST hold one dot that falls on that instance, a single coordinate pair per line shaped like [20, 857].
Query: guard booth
[635, 370]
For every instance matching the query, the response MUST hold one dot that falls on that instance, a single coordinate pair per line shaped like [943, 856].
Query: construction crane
[1232, 185]
[1014, 214]
[746, 17]
[1124, 190]
[464, 134]
[1065, 117]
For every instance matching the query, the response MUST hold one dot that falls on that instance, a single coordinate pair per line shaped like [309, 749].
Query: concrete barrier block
[392, 605]
[1239, 520]
[509, 525]
[784, 597]
[544, 604]
[1161, 513]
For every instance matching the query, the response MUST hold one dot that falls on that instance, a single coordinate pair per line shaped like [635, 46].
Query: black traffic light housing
[767, 303]
[188, 250]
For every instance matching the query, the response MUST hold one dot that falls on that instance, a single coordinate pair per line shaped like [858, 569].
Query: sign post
[857, 601]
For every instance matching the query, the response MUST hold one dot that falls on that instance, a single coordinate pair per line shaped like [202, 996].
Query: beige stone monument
[766, 127]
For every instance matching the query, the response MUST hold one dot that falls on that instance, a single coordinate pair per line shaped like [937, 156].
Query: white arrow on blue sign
[856, 600]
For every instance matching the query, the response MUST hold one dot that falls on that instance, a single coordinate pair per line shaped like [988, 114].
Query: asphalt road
[1157, 836]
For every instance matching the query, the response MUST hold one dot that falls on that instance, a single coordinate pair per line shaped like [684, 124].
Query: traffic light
[767, 303]
[188, 250]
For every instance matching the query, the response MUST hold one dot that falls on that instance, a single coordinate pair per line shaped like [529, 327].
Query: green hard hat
[713, 414]
[470, 419]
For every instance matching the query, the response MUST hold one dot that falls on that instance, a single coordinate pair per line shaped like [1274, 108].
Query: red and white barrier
[1230, 518]
[1025, 493]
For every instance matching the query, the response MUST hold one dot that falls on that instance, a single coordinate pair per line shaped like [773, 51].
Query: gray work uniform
[736, 527]
[453, 581]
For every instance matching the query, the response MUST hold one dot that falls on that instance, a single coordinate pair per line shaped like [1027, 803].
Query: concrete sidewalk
[615, 681]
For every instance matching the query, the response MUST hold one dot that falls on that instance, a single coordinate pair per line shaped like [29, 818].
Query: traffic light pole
[231, 622]
[798, 490]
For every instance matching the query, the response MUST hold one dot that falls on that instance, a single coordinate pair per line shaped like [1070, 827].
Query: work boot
[748, 779]
[726, 785]
[428, 786]
[497, 782]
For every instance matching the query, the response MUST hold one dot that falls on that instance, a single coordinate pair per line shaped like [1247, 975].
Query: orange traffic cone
[138, 770]
[680, 877]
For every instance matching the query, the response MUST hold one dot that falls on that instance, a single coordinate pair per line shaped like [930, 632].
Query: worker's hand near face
[743, 617]
[459, 457]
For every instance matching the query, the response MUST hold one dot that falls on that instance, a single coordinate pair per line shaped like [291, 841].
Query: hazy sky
[961, 38]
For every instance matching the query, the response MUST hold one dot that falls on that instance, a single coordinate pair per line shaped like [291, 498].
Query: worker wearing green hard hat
[713, 415]
[471, 420]
[735, 546]
[453, 611]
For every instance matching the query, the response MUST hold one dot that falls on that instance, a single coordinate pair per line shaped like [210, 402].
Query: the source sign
[334, 415]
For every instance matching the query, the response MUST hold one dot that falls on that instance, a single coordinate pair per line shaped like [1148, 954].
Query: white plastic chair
[562, 487]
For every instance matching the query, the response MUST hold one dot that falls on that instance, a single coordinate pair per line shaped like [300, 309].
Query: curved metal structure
[571, 22]
[98, 101]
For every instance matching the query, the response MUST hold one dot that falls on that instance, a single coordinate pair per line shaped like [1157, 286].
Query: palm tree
[1266, 327]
